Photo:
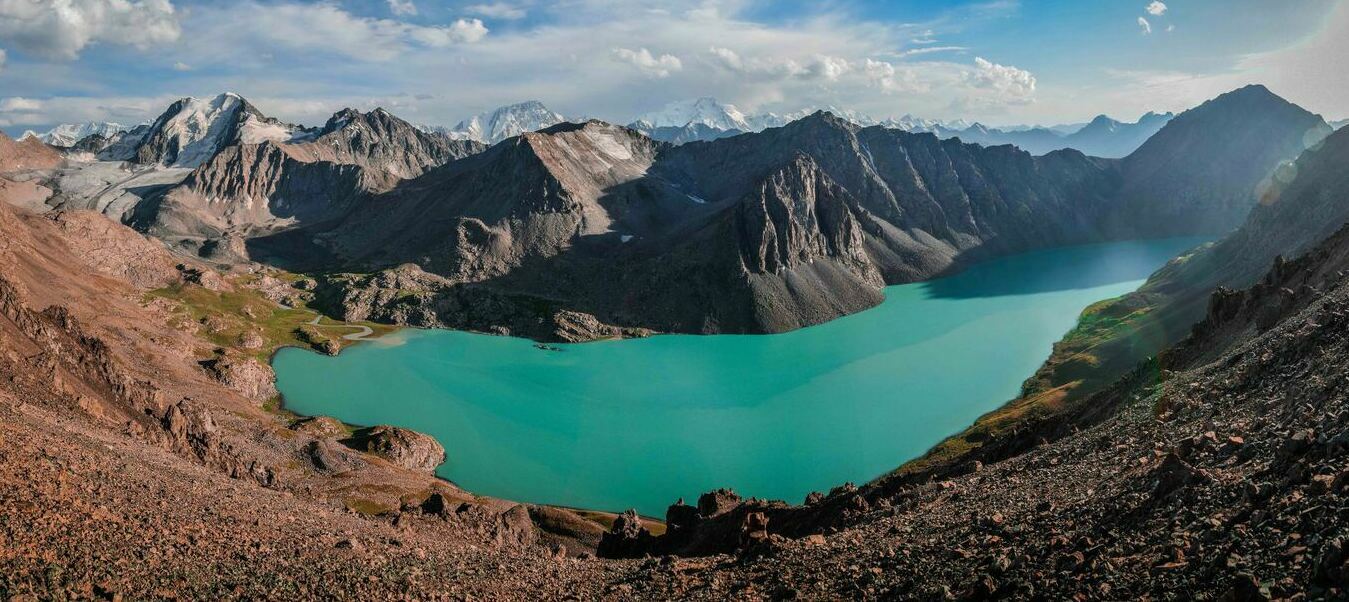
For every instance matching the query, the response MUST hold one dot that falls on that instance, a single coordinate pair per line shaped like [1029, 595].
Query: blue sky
[997, 61]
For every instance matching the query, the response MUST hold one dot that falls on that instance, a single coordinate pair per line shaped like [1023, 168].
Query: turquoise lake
[639, 423]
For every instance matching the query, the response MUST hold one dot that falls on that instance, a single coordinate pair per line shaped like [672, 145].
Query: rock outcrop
[403, 447]
[249, 377]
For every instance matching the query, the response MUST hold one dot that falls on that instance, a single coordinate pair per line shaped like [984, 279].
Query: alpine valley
[1187, 439]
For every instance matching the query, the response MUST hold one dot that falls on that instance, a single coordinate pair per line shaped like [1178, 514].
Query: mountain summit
[193, 130]
[512, 120]
[706, 111]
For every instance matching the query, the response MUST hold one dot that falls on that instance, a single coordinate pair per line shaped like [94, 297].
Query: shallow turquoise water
[639, 423]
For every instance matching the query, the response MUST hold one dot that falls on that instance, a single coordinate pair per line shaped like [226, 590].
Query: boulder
[1173, 474]
[627, 539]
[406, 448]
[247, 376]
[330, 458]
[515, 528]
[435, 504]
[321, 427]
[251, 340]
[680, 516]
[717, 502]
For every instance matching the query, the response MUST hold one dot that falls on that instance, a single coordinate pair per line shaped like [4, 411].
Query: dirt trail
[362, 332]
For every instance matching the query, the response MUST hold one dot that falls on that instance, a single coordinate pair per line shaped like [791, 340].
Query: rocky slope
[26, 155]
[122, 439]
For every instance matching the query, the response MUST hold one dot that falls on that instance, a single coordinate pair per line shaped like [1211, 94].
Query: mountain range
[706, 118]
[766, 231]
[581, 230]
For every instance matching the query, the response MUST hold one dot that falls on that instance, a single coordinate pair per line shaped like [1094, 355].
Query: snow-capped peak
[193, 130]
[67, 134]
[701, 111]
[511, 120]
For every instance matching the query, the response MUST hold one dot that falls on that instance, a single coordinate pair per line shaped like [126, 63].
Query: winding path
[362, 332]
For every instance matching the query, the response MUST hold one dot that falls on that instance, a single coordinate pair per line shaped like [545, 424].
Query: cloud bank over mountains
[608, 58]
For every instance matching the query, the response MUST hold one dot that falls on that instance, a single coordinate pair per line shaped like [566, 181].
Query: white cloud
[320, 28]
[1007, 81]
[314, 58]
[402, 7]
[181, 66]
[642, 58]
[1144, 26]
[462, 31]
[931, 49]
[1156, 8]
[497, 10]
[18, 104]
[61, 29]
[817, 66]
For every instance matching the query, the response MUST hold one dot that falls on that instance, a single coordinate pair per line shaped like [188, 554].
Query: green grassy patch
[224, 318]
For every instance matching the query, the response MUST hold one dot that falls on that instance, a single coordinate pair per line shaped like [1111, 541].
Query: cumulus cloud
[320, 28]
[497, 10]
[1156, 8]
[642, 58]
[1144, 26]
[181, 66]
[315, 57]
[402, 7]
[1009, 82]
[61, 29]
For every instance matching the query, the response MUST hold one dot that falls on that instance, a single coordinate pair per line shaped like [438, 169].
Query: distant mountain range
[67, 134]
[1339, 124]
[681, 122]
[708, 119]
